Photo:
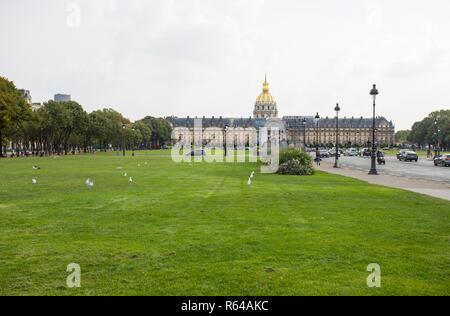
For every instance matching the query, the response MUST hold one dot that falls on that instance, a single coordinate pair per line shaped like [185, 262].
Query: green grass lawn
[420, 153]
[202, 230]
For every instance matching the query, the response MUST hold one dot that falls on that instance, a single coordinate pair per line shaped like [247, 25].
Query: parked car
[366, 152]
[332, 153]
[442, 160]
[198, 152]
[351, 153]
[409, 156]
[324, 154]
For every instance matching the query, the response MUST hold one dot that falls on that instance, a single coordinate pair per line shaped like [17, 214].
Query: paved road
[423, 169]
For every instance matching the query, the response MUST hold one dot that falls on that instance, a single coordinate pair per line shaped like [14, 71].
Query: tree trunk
[1, 144]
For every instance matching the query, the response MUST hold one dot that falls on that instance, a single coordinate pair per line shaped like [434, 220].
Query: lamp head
[374, 92]
[337, 108]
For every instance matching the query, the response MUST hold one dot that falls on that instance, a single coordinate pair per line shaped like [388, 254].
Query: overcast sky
[208, 57]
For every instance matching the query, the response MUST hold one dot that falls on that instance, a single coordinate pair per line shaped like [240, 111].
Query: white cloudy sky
[208, 57]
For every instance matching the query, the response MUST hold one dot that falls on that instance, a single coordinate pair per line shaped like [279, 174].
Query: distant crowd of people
[430, 153]
[17, 154]
[37, 153]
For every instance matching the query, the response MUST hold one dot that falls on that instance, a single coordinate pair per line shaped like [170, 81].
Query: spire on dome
[266, 85]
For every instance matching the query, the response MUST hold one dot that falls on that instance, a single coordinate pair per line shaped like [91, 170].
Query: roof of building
[297, 121]
[290, 122]
[217, 122]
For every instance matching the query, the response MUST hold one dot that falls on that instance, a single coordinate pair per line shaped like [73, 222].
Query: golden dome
[265, 96]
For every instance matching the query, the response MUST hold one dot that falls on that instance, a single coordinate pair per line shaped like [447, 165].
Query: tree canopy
[14, 110]
[402, 136]
[432, 130]
[64, 126]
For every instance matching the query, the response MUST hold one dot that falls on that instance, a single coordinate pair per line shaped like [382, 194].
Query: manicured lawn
[202, 230]
[420, 153]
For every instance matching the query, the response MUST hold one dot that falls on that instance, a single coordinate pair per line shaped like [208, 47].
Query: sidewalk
[431, 188]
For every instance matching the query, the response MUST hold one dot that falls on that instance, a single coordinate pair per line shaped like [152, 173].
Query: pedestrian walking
[318, 157]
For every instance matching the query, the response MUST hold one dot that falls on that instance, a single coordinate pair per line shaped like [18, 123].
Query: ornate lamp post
[134, 129]
[437, 149]
[358, 139]
[316, 119]
[304, 132]
[336, 161]
[123, 138]
[41, 145]
[373, 168]
[225, 145]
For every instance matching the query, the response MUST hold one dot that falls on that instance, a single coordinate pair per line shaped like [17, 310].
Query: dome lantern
[265, 105]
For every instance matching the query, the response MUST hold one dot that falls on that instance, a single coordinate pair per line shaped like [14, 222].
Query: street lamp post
[358, 137]
[304, 132]
[316, 119]
[41, 145]
[225, 145]
[336, 161]
[373, 168]
[437, 149]
[134, 129]
[123, 138]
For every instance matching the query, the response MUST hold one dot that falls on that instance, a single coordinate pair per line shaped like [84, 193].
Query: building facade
[62, 97]
[26, 95]
[295, 130]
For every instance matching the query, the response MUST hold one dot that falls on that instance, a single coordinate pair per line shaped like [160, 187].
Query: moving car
[437, 160]
[409, 156]
[400, 153]
[443, 160]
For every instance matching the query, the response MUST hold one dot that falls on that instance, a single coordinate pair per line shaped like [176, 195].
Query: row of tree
[432, 131]
[63, 127]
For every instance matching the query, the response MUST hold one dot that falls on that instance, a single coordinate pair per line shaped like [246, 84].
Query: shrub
[295, 162]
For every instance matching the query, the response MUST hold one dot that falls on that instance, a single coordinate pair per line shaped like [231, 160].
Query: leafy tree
[161, 130]
[58, 127]
[434, 129]
[106, 127]
[145, 133]
[402, 136]
[13, 111]
[55, 124]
